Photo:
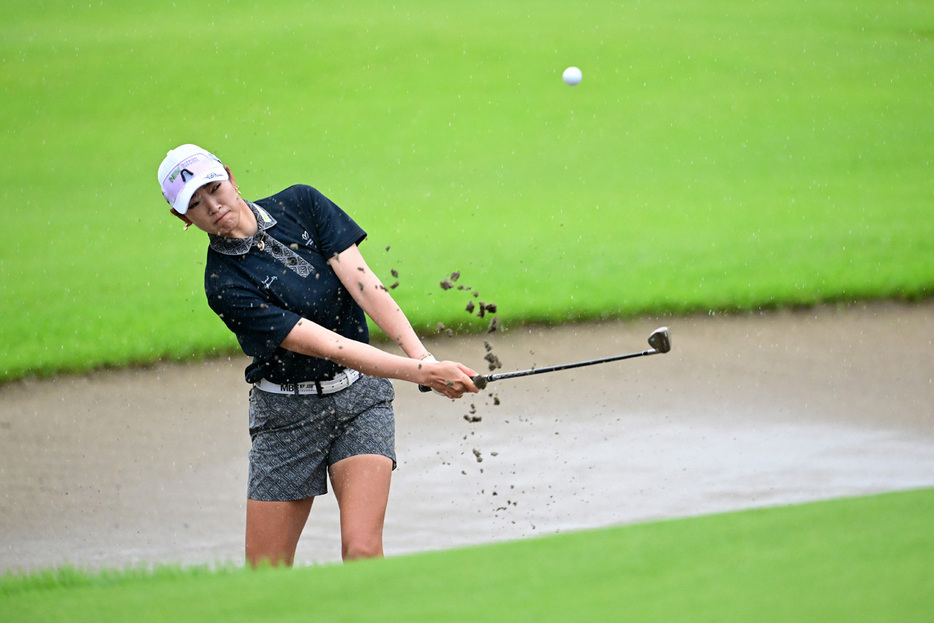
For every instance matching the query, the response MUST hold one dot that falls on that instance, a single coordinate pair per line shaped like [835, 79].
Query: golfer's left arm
[370, 293]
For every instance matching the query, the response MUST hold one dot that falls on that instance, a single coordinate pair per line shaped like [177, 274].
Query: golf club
[660, 341]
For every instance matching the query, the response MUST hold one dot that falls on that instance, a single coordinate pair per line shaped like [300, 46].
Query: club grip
[480, 381]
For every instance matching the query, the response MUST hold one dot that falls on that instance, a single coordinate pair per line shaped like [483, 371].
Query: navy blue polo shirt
[261, 286]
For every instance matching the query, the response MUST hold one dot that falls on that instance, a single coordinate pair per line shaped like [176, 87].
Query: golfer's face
[215, 208]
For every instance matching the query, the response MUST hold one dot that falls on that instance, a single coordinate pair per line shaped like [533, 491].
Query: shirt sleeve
[334, 229]
[260, 327]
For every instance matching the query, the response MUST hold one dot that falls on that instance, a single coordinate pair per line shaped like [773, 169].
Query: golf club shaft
[489, 378]
[660, 341]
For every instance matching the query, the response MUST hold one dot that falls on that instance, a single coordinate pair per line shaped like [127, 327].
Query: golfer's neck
[247, 226]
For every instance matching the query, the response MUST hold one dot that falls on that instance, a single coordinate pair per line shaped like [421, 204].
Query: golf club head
[660, 340]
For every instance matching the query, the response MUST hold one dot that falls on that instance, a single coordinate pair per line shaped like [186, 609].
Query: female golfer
[286, 276]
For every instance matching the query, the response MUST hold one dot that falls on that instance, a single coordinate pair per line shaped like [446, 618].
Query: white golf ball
[572, 76]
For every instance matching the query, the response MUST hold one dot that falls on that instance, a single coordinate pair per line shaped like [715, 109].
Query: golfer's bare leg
[273, 529]
[361, 486]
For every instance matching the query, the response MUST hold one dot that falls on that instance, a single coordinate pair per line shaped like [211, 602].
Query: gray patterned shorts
[297, 437]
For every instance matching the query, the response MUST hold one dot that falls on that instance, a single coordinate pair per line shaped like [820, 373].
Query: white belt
[343, 380]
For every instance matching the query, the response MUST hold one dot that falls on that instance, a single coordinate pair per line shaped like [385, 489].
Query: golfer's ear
[184, 218]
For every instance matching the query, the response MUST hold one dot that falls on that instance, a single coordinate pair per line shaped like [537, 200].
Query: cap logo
[187, 169]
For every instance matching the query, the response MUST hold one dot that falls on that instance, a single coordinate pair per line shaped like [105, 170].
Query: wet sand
[148, 466]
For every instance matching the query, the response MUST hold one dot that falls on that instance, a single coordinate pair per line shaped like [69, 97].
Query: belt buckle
[332, 385]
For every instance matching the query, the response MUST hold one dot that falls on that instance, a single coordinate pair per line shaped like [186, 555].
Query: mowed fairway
[863, 559]
[717, 156]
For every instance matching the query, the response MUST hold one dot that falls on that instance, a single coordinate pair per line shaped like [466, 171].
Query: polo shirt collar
[240, 246]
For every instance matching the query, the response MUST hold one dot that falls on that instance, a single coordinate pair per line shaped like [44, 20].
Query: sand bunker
[149, 465]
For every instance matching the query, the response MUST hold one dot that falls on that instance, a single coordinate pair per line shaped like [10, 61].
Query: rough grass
[717, 155]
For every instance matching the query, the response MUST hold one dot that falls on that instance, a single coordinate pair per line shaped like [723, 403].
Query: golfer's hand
[449, 378]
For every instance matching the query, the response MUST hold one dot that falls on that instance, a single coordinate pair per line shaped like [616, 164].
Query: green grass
[859, 559]
[718, 155]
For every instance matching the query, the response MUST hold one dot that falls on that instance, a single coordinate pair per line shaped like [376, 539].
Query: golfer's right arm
[309, 338]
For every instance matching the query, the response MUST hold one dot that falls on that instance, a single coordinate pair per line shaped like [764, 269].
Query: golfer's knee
[365, 546]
